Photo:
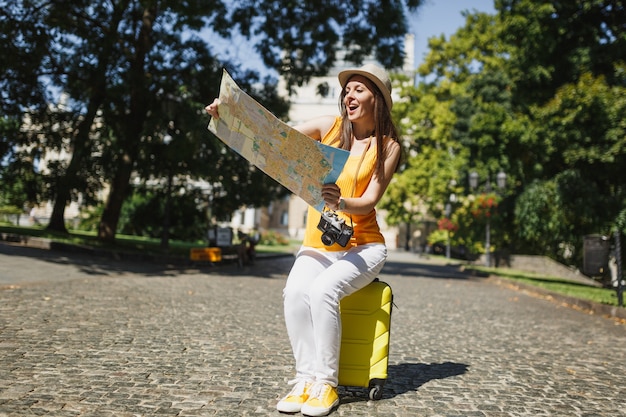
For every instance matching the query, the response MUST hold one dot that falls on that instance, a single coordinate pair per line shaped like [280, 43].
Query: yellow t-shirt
[365, 226]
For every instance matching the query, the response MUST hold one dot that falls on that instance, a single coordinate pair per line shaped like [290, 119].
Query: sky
[438, 17]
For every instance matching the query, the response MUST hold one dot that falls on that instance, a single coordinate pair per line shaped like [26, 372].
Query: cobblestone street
[88, 336]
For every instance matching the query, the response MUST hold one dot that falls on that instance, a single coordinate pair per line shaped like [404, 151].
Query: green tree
[536, 90]
[583, 160]
[455, 122]
[567, 84]
[552, 43]
[144, 214]
[116, 60]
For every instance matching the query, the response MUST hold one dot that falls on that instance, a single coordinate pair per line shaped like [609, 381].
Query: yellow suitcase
[364, 356]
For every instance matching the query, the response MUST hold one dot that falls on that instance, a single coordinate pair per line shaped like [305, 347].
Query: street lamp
[500, 183]
[501, 180]
[473, 179]
[165, 236]
[448, 213]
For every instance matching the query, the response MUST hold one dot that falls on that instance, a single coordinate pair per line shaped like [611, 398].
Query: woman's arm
[315, 128]
[374, 191]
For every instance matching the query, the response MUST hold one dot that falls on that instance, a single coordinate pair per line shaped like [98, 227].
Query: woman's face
[359, 100]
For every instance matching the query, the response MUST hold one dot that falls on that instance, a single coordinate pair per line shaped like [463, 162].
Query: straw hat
[375, 74]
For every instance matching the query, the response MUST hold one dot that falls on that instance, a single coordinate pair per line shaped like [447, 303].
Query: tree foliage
[536, 91]
[106, 82]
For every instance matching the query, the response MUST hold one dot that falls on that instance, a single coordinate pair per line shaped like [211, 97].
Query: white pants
[317, 282]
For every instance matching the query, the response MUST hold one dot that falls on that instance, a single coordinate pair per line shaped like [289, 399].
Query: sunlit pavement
[89, 336]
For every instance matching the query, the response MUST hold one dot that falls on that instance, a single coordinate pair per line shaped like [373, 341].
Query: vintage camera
[334, 229]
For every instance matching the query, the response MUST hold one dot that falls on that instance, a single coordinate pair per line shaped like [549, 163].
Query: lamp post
[448, 213]
[170, 104]
[165, 236]
[500, 183]
[618, 260]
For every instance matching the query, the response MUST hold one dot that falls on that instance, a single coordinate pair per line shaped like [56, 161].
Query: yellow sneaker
[322, 399]
[292, 402]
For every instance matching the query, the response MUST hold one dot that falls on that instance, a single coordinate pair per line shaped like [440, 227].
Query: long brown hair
[383, 124]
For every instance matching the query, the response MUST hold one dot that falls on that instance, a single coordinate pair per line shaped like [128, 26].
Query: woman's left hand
[331, 193]
[211, 109]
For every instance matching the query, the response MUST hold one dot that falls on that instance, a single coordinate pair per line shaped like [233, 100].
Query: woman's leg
[308, 265]
[348, 274]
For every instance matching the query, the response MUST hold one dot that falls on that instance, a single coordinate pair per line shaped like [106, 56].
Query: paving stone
[87, 336]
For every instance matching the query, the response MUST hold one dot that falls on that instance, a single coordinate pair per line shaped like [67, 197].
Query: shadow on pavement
[88, 264]
[111, 264]
[406, 377]
[264, 267]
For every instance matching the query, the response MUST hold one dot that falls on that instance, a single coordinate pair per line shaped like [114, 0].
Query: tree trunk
[130, 132]
[80, 153]
[57, 218]
[81, 148]
[119, 188]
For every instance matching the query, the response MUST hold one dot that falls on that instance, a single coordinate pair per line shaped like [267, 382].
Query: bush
[271, 238]
[10, 212]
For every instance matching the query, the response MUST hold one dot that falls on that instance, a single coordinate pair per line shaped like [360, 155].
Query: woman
[325, 272]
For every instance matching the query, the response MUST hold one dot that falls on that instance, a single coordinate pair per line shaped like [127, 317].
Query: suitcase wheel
[376, 389]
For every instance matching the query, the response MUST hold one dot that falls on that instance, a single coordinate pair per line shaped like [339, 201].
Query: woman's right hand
[211, 109]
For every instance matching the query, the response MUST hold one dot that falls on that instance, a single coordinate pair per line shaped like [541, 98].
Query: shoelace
[299, 386]
[317, 389]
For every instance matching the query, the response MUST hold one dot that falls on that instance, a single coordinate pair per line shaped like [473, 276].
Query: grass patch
[557, 285]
